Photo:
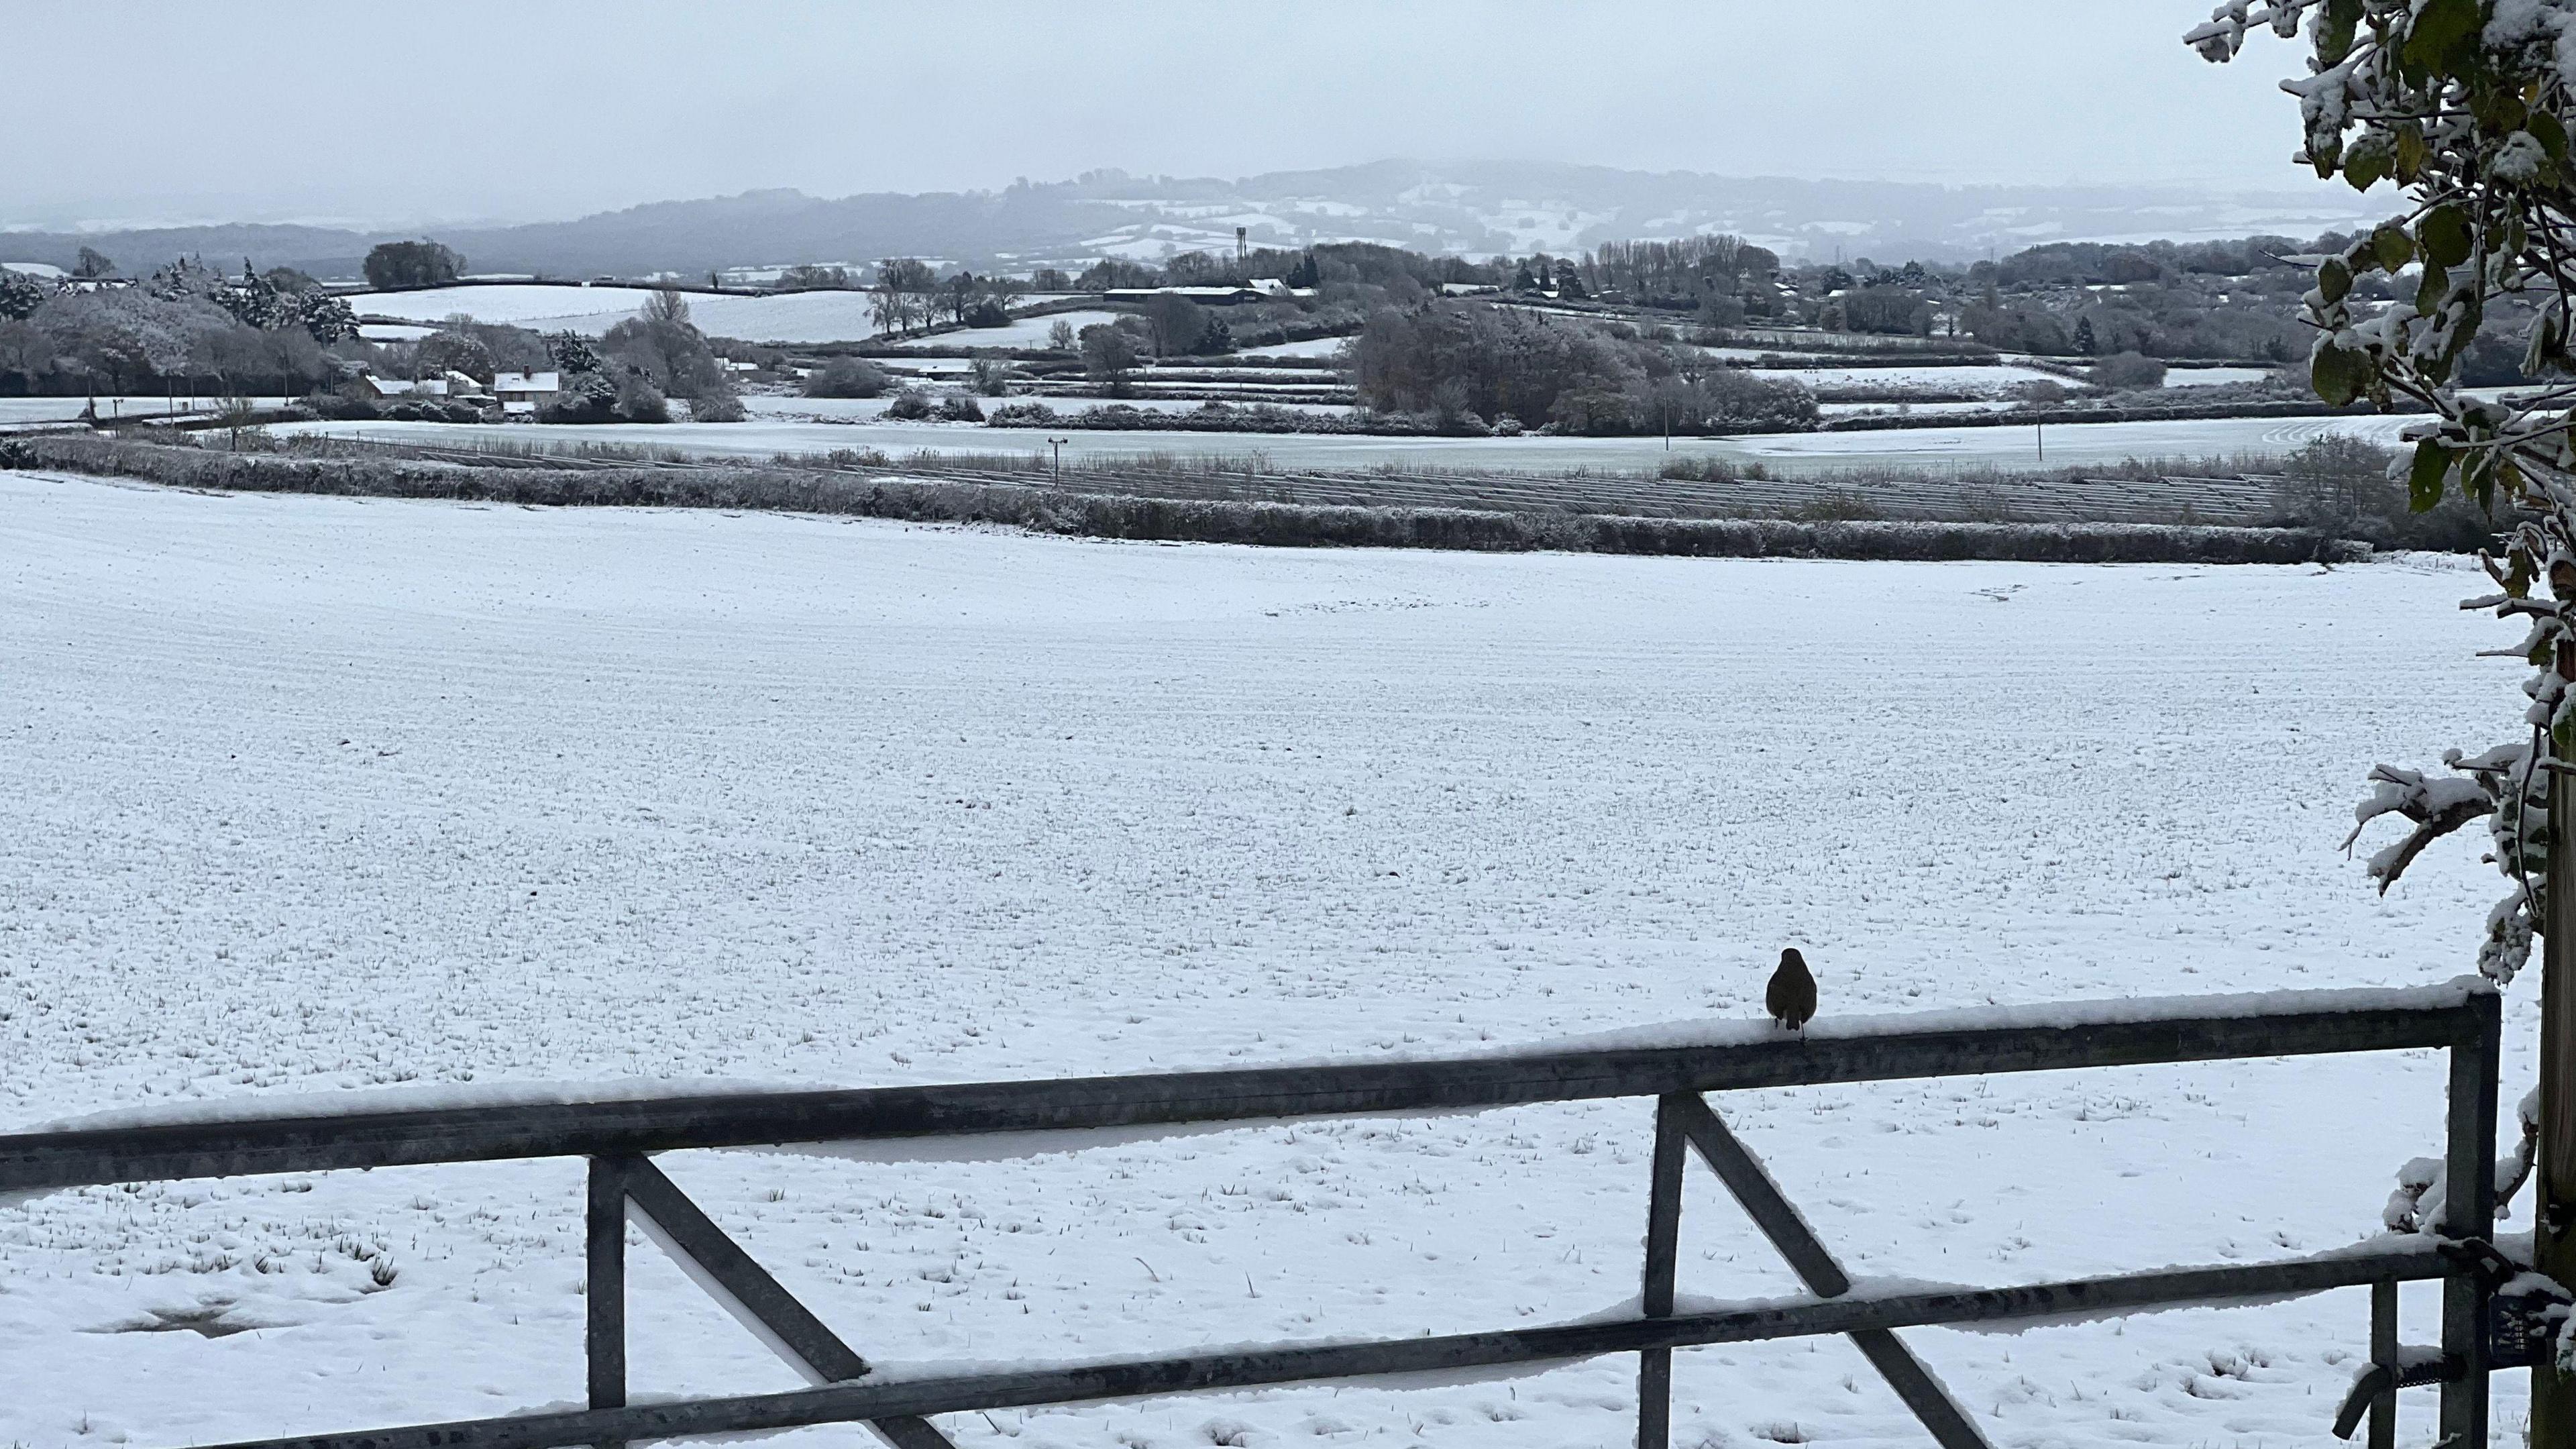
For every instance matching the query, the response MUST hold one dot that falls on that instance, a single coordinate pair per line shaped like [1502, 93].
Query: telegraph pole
[1058, 445]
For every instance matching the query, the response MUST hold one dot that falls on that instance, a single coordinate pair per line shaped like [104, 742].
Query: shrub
[910, 405]
[2127, 370]
[987, 313]
[716, 406]
[847, 377]
[586, 397]
[346, 405]
[960, 409]
[639, 401]
[1507, 426]
[992, 376]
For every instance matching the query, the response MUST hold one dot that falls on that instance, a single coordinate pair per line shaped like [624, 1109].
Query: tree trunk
[2553, 1394]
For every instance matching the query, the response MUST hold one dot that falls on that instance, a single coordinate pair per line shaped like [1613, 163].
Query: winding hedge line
[1095, 515]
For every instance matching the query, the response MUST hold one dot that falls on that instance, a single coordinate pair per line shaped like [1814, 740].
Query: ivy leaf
[2477, 480]
[2424, 480]
[2443, 235]
[2412, 153]
[2551, 133]
[2338, 373]
[2441, 30]
[2430, 291]
[2334, 280]
[2394, 246]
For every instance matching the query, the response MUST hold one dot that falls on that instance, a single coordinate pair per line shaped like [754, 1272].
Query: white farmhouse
[525, 392]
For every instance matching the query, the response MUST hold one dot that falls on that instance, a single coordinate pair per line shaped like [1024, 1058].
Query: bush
[586, 397]
[847, 377]
[2127, 370]
[716, 406]
[992, 376]
[910, 405]
[1507, 426]
[347, 405]
[639, 401]
[987, 313]
[960, 409]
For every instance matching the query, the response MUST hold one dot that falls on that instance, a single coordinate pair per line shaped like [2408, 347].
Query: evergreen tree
[2084, 339]
[572, 353]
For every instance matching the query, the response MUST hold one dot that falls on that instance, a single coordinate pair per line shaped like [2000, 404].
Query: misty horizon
[593, 110]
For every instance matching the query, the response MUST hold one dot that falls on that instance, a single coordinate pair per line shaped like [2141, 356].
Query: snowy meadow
[335, 796]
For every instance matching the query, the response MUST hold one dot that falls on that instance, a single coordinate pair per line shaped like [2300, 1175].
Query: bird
[1791, 999]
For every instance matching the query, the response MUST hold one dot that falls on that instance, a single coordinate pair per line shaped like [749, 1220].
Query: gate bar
[1720, 1056]
[887, 1396]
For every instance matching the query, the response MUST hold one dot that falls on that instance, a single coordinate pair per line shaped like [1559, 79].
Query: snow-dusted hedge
[1105, 515]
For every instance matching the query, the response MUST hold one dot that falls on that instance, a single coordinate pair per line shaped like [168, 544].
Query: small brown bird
[1792, 997]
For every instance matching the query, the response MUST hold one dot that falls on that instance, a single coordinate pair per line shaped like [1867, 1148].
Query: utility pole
[2040, 431]
[1058, 445]
[2553, 1394]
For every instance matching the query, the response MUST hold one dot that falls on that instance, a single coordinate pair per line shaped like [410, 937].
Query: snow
[1933, 449]
[1021, 332]
[1311, 347]
[2213, 376]
[1912, 409]
[788, 317]
[1898, 380]
[24, 412]
[769, 407]
[309, 795]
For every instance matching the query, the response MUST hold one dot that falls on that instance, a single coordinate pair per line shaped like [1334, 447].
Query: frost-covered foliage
[2467, 108]
[21, 295]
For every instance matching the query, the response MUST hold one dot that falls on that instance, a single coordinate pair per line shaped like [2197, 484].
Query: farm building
[525, 392]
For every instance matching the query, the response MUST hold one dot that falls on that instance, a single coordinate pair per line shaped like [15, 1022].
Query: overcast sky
[457, 110]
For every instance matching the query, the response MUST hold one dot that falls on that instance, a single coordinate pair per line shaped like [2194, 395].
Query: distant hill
[1475, 207]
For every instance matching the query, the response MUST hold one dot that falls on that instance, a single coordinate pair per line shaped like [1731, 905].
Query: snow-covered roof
[527, 382]
[401, 387]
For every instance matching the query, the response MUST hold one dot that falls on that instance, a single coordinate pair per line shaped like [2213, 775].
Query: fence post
[2383, 1351]
[1663, 1250]
[2553, 1183]
[2468, 1211]
[604, 1296]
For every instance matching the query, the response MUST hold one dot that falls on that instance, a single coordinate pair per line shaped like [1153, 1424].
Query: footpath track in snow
[311, 794]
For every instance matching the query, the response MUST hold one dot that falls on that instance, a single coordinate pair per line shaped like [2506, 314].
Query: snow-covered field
[330, 795]
[1997, 379]
[26, 412]
[1311, 347]
[2213, 376]
[63, 409]
[1021, 332]
[789, 317]
[868, 409]
[1930, 448]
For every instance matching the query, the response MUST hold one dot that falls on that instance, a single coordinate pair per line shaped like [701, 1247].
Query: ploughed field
[337, 796]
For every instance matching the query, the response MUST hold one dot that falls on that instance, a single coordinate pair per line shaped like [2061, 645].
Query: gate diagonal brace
[1781, 1222]
[729, 1275]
